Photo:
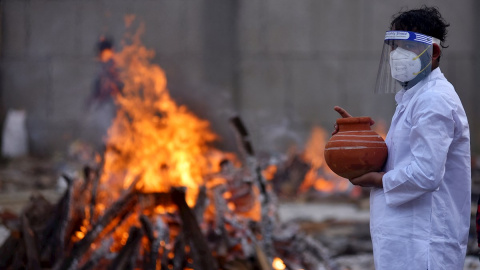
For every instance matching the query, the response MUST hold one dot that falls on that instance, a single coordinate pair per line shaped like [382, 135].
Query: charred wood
[36, 210]
[164, 242]
[243, 135]
[151, 256]
[53, 237]
[100, 253]
[179, 256]
[19, 257]
[290, 176]
[93, 194]
[266, 197]
[201, 254]
[119, 208]
[126, 258]
[221, 234]
[9, 248]
[201, 204]
[30, 243]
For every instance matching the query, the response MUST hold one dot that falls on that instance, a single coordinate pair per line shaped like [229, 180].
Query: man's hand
[371, 179]
[344, 114]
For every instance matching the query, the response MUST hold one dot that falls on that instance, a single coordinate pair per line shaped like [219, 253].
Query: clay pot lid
[354, 120]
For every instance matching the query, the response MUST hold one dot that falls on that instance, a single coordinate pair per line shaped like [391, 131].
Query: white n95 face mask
[405, 65]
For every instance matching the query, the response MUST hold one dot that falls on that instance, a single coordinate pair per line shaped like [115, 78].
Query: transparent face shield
[406, 60]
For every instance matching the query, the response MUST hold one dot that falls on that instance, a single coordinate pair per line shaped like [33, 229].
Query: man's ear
[436, 51]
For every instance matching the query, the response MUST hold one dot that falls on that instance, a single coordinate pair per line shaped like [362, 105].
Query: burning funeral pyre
[161, 197]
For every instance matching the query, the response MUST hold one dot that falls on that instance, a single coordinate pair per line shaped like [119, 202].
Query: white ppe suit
[420, 218]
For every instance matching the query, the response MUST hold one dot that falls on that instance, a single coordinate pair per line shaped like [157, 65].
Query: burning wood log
[93, 196]
[126, 258]
[150, 262]
[222, 210]
[9, 248]
[14, 253]
[179, 256]
[243, 135]
[289, 177]
[93, 176]
[33, 261]
[53, 237]
[119, 208]
[100, 253]
[19, 258]
[265, 198]
[202, 256]
[164, 236]
[248, 148]
[201, 204]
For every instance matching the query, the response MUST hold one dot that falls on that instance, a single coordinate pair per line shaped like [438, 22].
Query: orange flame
[380, 127]
[158, 140]
[106, 55]
[320, 176]
[278, 264]
[327, 181]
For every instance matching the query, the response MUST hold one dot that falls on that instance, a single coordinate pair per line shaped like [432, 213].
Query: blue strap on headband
[408, 35]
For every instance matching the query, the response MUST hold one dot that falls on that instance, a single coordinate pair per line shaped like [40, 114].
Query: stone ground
[344, 229]
[342, 226]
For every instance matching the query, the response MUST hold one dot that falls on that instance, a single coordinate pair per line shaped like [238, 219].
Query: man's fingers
[342, 112]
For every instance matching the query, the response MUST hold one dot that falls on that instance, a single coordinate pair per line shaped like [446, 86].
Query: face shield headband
[406, 60]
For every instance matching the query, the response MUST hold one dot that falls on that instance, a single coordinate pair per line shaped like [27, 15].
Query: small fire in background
[380, 127]
[278, 264]
[306, 175]
[319, 177]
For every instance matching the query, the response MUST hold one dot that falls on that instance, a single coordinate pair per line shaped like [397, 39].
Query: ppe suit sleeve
[430, 137]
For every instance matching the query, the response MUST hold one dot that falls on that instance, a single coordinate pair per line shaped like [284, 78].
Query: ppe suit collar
[404, 96]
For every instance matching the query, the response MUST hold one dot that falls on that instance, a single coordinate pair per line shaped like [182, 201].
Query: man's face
[417, 48]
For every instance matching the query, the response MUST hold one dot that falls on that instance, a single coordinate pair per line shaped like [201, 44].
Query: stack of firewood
[219, 232]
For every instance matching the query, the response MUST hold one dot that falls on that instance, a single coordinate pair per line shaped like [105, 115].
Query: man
[420, 203]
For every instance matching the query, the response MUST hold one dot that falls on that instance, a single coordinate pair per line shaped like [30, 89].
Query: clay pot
[355, 149]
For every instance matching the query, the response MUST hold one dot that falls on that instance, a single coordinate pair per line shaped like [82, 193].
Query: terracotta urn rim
[354, 120]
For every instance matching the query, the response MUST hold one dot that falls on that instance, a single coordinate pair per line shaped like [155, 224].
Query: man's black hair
[425, 20]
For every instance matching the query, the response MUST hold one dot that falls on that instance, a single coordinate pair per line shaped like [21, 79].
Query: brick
[91, 26]
[115, 12]
[315, 89]
[165, 25]
[53, 28]
[336, 25]
[26, 85]
[252, 26]
[72, 83]
[14, 36]
[264, 85]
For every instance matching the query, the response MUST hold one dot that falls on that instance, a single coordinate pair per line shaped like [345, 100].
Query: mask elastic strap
[422, 69]
[416, 57]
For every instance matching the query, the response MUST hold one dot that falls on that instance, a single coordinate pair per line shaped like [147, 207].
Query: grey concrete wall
[300, 58]
[281, 64]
